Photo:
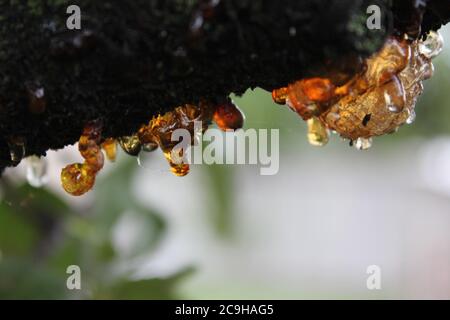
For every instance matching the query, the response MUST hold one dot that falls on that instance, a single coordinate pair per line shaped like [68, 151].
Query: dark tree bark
[133, 59]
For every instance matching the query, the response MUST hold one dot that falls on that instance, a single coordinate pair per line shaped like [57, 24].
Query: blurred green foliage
[40, 236]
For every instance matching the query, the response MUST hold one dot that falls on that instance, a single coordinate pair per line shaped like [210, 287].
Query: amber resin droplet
[178, 169]
[228, 116]
[160, 129]
[131, 145]
[310, 97]
[280, 96]
[89, 146]
[110, 148]
[149, 147]
[394, 95]
[392, 59]
[79, 178]
[318, 134]
[184, 117]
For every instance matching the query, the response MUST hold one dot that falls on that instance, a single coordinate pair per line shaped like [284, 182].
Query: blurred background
[225, 232]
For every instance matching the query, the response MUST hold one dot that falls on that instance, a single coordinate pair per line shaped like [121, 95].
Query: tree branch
[134, 59]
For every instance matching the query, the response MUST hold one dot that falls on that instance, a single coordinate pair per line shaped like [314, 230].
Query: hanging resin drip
[79, 178]
[131, 145]
[280, 96]
[228, 116]
[318, 134]
[110, 148]
[160, 129]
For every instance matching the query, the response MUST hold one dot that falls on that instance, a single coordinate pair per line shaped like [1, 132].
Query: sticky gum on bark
[377, 100]
[393, 77]
[79, 178]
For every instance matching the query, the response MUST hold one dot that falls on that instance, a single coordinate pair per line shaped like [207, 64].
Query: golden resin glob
[377, 101]
[160, 129]
[79, 178]
[158, 133]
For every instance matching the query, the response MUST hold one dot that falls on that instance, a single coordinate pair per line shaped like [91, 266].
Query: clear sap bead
[363, 143]
[411, 117]
[36, 171]
[432, 46]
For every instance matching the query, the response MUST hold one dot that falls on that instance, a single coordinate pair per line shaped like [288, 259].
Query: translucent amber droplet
[318, 134]
[150, 146]
[16, 149]
[432, 46]
[185, 115]
[89, 148]
[363, 143]
[160, 129]
[131, 145]
[158, 132]
[228, 116]
[280, 96]
[95, 158]
[310, 97]
[77, 179]
[392, 59]
[178, 169]
[145, 134]
[36, 171]
[148, 140]
[318, 89]
[394, 95]
[110, 148]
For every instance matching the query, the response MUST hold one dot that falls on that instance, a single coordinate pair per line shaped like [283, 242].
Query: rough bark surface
[134, 59]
